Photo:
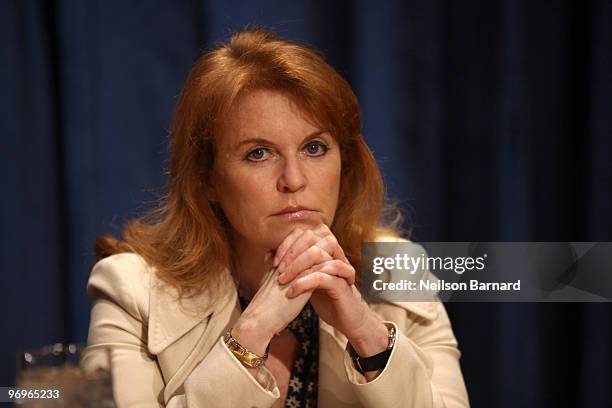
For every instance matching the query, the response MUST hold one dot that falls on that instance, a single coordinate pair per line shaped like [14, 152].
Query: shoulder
[125, 278]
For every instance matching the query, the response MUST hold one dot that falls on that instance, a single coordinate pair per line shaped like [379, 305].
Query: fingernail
[290, 292]
[280, 277]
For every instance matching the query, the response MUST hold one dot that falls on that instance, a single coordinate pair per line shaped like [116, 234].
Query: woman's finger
[308, 258]
[338, 268]
[322, 230]
[307, 239]
[320, 236]
[285, 245]
[330, 245]
[329, 242]
[311, 257]
[316, 280]
[334, 268]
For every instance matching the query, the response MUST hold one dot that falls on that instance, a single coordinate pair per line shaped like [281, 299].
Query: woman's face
[274, 170]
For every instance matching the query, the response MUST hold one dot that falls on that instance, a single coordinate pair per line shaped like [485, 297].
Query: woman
[240, 290]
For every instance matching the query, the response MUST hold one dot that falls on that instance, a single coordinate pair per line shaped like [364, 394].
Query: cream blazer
[165, 354]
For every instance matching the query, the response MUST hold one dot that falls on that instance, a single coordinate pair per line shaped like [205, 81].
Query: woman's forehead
[267, 114]
[267, 104]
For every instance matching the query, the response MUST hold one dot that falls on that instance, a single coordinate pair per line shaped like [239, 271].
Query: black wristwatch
[377, 361]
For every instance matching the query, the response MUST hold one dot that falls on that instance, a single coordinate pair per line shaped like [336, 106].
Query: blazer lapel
[182, 333]
[170, 319]
[221, 319]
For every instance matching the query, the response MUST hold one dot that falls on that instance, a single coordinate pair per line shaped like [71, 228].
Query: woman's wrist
[251, 335]
[371, 338]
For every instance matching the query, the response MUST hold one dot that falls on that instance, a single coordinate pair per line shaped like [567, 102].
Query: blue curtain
[491, 121]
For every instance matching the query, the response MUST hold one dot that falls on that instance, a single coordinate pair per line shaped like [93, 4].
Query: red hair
[185, 237]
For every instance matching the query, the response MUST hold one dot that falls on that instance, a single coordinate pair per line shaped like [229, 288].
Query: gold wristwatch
[248, 359]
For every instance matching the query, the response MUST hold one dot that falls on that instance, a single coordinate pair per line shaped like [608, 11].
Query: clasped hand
[312, 261]
[310, 265]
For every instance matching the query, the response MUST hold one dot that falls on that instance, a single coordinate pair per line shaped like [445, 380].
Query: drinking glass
[56, 367]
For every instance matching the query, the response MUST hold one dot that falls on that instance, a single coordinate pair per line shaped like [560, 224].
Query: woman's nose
[292, 176]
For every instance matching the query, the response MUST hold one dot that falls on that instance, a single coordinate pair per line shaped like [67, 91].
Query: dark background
[491, 121]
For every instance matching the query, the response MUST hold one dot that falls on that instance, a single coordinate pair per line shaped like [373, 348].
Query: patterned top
[303, 383]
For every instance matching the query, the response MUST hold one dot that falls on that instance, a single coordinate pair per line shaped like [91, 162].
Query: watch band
[377, 361]
[248, 359]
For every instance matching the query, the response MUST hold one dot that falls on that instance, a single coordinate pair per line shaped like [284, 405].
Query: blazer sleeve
[423, 370]
[118, 288]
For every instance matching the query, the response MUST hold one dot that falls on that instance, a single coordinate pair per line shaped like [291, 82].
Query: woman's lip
[292, 209]
[294, 214]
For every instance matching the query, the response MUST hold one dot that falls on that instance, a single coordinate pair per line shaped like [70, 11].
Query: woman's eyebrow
[253, 140]
[260, 140]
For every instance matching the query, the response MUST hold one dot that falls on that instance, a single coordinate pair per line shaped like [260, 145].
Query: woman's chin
[286, 226]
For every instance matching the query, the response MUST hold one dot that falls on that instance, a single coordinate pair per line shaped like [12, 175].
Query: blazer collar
[170, 319]
[426, 310]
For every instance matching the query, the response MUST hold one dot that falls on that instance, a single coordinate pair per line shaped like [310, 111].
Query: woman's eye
[257, 154]
[316, 148]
